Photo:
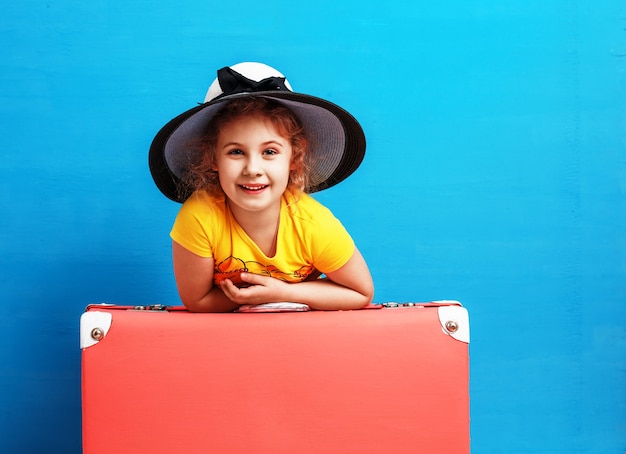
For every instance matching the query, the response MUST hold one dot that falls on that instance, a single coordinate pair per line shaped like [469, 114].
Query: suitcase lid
[97, 319]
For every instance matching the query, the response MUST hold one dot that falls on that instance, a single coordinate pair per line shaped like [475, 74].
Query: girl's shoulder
[303, 206]
[201, 202]
[202, 198]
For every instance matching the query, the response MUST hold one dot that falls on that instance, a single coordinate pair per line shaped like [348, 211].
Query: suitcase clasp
[151, 307]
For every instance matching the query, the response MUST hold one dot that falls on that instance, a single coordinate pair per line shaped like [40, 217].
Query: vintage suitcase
[383, 380]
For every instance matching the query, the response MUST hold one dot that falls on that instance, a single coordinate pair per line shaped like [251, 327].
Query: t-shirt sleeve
[190, 227]
[333, 245]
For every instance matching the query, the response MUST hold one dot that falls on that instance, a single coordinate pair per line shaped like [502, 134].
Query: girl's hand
[260, 289]
[350, 287]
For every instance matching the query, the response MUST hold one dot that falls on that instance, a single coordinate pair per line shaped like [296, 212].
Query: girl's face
[253, 162]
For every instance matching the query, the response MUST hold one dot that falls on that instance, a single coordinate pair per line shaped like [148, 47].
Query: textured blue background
[495, 175]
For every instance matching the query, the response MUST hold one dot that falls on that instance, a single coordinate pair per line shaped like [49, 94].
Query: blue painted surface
[495, 174]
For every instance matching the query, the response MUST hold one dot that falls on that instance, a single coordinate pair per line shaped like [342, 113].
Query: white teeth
[252, 188]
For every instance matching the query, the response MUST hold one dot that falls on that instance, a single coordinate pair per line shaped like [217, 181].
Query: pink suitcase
[384, 380]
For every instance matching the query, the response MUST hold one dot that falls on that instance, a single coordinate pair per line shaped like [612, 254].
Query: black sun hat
[335, 139]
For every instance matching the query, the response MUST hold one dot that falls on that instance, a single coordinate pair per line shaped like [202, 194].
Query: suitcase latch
[151, 307]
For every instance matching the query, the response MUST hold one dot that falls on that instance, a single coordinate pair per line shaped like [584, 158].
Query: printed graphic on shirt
[232, 267]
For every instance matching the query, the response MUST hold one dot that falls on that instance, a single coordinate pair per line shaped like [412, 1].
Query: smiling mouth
[253, 188]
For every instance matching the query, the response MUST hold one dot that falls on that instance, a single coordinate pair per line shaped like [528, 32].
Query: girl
[248, 233]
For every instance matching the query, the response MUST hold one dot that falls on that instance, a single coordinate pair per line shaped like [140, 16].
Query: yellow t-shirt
[310, 239]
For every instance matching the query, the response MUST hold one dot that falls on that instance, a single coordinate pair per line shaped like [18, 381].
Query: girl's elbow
[369, 297]
[193, 306]
[369, 290]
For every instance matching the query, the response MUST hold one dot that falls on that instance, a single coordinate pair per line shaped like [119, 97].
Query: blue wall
[495, 174]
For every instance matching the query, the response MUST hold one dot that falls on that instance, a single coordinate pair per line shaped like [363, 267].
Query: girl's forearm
[214, 301]
[324, 294]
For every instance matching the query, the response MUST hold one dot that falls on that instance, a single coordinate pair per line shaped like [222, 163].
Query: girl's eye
[270, 151]
[235, 151]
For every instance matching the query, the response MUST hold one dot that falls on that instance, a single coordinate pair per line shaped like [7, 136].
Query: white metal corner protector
[94, 326]
[454, 321]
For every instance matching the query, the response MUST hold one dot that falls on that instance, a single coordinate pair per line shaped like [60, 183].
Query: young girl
[248, 233]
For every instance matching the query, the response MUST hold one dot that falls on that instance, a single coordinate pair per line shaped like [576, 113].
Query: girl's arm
[194, 279]
[350, 287]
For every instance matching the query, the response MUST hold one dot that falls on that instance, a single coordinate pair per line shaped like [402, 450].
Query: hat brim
[336, 142]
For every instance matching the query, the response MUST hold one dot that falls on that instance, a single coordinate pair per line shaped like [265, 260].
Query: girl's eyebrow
[273, 142]
[264, 144]
[231, 144]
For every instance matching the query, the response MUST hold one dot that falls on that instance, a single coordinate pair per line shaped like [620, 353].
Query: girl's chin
[253, 203]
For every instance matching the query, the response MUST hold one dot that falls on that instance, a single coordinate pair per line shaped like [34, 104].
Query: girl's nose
[252, 167]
